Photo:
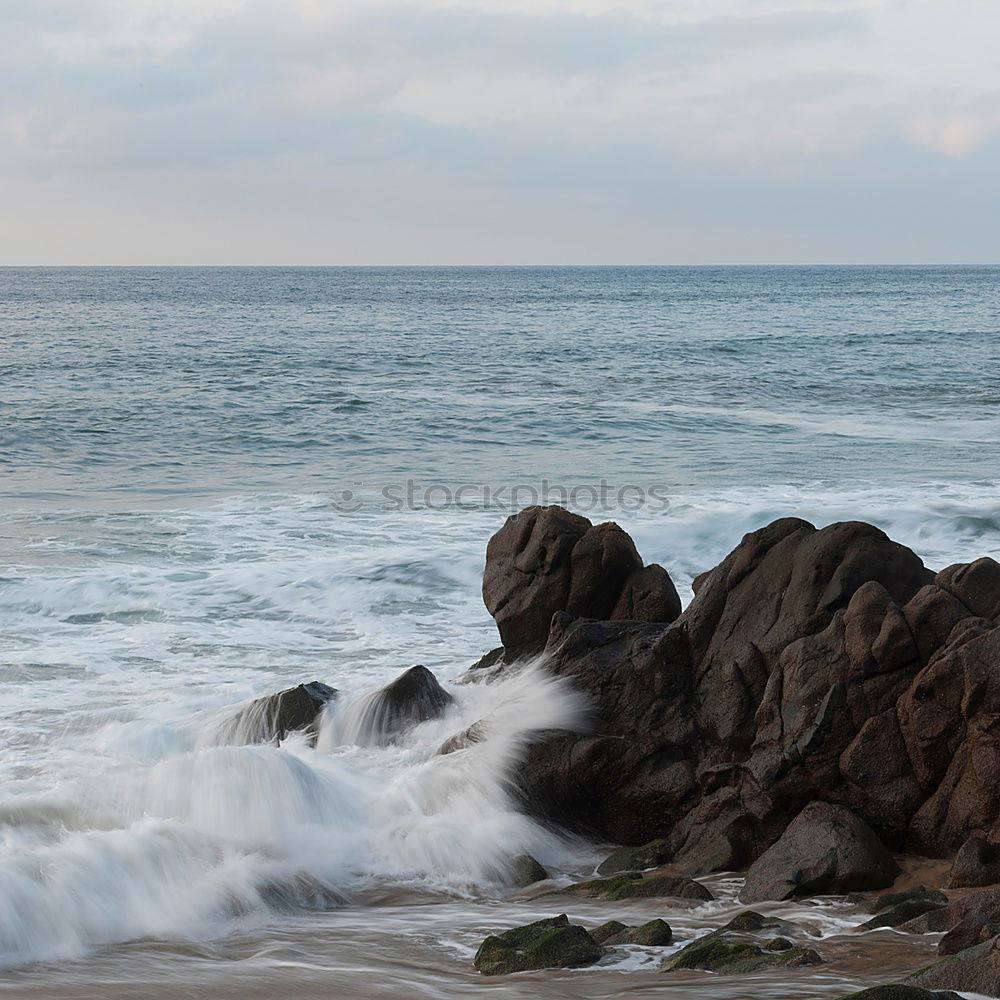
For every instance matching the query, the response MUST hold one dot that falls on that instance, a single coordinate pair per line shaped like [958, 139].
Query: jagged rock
[271, 719]
[975, 970]
[653, 933]
[631, 885]
[976, 863]
[525, 871]
[553, 943]
[636, 859]
[812, 665]
[545, 559]
[717, 953]
[825, 850]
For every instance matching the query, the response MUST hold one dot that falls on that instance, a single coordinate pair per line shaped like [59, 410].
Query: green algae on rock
[553, 943]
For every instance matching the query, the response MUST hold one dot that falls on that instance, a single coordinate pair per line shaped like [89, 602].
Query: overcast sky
[499, 131]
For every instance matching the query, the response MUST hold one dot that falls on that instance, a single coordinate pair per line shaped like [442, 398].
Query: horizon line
[401, 266]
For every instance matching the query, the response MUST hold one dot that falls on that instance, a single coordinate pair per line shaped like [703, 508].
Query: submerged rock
[632, 885]
[653, 933]
[271, 719]
[825, 850]
[636, 859]
[719, 953]
[545, 559]
[553, 943]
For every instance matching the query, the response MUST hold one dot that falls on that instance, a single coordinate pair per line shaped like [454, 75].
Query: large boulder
[812, 665]
[825, 850]
[545, 559]
[271, 719]
[553, 943]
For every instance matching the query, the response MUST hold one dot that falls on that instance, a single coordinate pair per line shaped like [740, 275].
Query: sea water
[217, 483]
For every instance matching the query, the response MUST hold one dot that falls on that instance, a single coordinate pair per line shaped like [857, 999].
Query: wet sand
[423, 949]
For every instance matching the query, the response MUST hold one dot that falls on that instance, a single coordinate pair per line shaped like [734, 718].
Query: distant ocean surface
[215, 483]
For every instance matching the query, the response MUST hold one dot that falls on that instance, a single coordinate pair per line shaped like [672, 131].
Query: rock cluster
[813, 666]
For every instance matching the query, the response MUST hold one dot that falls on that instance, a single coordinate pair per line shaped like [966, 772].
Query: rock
[635, 859]
[494, 658]
[981, 905]
[897, 991]
[921, 894]
[976, 863]
[553, 943]
[825, 850]
[611, 932]
[778, 944]
[975, 970]
[525, 871]
[651, 934]
[813, 665]
[714, 953]
[413, 697]
[271, 719]
[748, 921]
[631, 885]
[896, 908]
[970, 931]
[468, 737]
[545, 559]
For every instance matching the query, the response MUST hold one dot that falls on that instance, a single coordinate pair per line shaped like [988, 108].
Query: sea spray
[215, 837]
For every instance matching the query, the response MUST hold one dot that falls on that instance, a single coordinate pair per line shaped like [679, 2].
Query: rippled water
[220, 482]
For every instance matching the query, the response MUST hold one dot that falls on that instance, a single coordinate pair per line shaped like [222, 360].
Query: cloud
[466, 119]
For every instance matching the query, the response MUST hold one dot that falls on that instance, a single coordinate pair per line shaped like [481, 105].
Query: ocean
[219, 482]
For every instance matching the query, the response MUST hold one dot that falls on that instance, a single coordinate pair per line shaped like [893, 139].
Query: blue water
[215, 483]
[175, 382]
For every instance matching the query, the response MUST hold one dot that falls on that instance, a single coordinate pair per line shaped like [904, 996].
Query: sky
[499, 131]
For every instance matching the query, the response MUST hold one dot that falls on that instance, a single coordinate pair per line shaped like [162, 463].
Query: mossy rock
[631, 885]
[553, 943]
[748, 920]
[714, 953]
[653, 933]
[778, 944]
[635, 859]
[900, 992]
[525, 871]
[612, 932]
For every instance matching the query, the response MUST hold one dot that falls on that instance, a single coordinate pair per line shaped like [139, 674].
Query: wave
[214, 837]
